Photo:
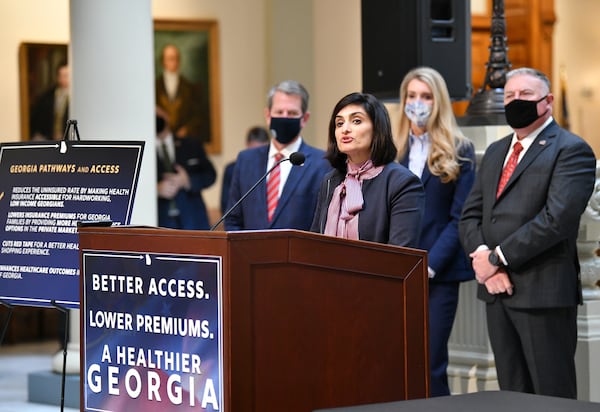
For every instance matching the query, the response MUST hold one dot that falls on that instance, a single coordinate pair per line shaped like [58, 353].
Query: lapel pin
[542, 142]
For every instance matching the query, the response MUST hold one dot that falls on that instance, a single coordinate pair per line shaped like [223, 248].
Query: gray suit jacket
[536, 219]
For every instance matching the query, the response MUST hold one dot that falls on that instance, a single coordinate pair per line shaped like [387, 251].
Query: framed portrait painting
[42, 69]
[187, 78]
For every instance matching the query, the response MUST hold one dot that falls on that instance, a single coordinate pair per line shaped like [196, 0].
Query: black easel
[71, 130]
[7, 320]
[65, 311]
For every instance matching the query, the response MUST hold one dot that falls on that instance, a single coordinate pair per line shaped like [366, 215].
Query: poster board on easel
[46, 188]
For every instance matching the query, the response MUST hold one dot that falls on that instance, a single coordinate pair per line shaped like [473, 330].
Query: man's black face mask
[521, 113]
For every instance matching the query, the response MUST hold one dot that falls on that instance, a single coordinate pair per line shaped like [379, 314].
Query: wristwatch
[495, 259]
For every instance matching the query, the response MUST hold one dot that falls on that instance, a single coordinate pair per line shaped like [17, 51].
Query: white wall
[576, 41]
[338, 58]
[30, 21]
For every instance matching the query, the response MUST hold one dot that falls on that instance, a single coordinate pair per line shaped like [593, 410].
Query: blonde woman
[431, 145]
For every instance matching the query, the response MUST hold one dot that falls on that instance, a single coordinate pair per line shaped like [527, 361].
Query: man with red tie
[519, 225]
[288, 198]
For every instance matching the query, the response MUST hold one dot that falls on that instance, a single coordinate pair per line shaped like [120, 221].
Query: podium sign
[308, 321]
[45, 189]
[152, 332]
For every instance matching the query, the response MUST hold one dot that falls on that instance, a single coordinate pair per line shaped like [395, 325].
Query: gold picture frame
[198, 46]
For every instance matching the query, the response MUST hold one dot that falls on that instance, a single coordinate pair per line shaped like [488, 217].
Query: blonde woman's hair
[444, 134]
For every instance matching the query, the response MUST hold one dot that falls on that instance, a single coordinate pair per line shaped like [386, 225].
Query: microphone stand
[71, 127]
[236, 204]
[7, 320]
[65, 312]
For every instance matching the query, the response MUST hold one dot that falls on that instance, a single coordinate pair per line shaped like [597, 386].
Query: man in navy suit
[183, 171]
[256, 136]
[521, 237]
[286, 114]
[50, 112]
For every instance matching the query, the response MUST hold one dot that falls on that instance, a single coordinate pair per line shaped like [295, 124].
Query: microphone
[296, 159]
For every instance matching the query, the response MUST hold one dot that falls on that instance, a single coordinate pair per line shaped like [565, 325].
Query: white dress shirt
[418, 153]
[285, 167]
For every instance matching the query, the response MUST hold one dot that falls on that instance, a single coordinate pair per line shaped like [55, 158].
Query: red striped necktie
[273, 187]
[509, 168]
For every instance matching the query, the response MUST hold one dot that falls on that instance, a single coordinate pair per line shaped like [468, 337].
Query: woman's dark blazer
[393, 206]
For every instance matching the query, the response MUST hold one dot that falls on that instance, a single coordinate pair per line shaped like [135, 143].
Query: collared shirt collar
[169, 143]
[286, 167]
[418, 153]
[286, 151]
[528, 140]
[171, 80]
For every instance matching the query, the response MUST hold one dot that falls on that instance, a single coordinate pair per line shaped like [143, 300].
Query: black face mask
[285, 129]
[521, 113]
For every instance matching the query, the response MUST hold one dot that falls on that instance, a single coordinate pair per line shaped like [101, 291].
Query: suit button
[493, 220]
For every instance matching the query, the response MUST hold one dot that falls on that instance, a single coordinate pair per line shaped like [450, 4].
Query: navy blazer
[392, 210]
[226, 185]
[443, 208]
[536, 218]
[189, 153]
[296, 205]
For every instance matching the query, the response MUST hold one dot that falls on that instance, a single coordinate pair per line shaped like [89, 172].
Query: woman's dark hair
[383, 149]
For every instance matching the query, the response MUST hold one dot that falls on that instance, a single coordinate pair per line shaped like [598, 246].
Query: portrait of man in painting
[44, 90]
[184, 84]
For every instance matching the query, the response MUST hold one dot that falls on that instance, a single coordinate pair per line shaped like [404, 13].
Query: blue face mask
[418, 112]
[285, 129]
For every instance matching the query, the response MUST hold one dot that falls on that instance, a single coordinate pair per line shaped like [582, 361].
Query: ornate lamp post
[487, 105]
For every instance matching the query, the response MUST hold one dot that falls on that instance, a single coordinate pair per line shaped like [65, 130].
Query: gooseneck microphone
[296, 159]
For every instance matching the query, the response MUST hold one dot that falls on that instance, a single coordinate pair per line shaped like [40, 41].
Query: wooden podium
[309, 321]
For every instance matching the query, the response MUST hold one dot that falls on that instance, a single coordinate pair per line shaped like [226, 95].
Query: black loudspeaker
[398, 35]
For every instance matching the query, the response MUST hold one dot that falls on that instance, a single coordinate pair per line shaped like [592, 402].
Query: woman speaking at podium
[368, 196]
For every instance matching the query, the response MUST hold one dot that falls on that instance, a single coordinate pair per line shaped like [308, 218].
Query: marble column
[111, 54]
[471, 361]
[588, 317]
